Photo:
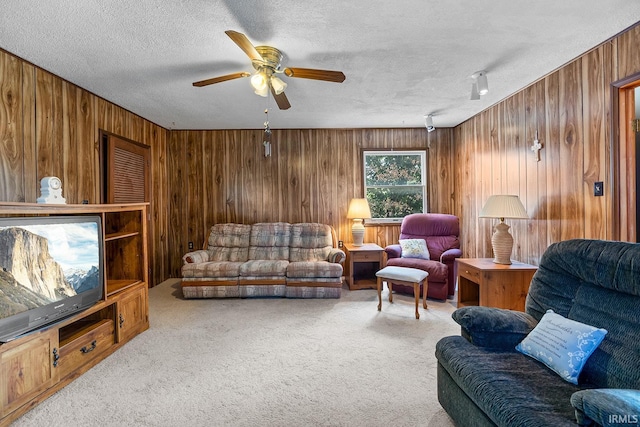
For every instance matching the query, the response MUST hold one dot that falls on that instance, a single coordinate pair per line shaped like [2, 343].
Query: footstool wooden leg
[390, 286]
[379, 283]
[416, 293]
[425, 288]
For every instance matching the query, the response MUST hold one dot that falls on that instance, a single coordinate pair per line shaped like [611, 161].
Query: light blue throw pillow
[414, 248]
[562, 344]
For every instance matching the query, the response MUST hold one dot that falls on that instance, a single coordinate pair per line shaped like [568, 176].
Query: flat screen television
[51, 267]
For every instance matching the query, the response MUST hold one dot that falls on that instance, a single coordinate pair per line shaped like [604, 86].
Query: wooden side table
[483, 282]
[362, 264]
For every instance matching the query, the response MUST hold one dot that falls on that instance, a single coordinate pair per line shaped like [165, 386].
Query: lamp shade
[503, 206]
[359, 208]
[278, 85]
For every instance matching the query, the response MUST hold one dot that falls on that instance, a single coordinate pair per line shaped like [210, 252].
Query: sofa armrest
[449, 255]
[195, 257]
[393, 251]
[607, 406]
[493, 327]
[337, 256]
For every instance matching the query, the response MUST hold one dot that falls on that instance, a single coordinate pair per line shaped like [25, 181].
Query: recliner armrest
[393, 251]
[449, 255]
[607, 406]
[337, 256]
[195, 257]
[493, 327]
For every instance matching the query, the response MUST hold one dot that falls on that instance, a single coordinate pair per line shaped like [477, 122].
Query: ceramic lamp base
[357, 232]
[502, 244]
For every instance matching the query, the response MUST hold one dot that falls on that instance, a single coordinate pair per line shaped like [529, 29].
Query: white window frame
[423, 172]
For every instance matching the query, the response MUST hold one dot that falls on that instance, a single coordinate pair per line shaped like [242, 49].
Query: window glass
[395, 184]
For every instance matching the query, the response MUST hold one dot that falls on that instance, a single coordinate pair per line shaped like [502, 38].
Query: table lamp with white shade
[503, 206]
[358, 211]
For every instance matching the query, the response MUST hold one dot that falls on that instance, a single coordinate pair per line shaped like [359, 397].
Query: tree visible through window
[395, 183]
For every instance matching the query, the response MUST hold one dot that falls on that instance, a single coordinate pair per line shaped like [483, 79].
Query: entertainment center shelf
[35, 365]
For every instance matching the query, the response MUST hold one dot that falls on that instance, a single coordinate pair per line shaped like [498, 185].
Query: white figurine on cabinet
[51, 191]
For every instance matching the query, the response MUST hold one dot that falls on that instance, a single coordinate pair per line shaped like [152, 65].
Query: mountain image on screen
[30, 276]
[82, 280]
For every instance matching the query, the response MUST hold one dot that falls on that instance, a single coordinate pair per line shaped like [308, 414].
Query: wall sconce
[358, 211]
[503, 206]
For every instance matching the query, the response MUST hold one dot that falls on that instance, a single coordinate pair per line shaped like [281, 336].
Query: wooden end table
[485, 283]
[362, 264]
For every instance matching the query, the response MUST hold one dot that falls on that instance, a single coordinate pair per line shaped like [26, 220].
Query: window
[395, 184]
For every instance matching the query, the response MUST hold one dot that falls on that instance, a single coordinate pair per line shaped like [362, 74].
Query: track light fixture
[480, 85]
[428, 122]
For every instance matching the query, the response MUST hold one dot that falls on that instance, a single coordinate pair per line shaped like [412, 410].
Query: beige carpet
[265, 362]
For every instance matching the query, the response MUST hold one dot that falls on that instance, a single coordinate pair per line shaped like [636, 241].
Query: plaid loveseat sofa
[265, 260]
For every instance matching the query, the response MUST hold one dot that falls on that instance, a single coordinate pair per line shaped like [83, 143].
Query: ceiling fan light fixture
[259, 81]
[278, 85]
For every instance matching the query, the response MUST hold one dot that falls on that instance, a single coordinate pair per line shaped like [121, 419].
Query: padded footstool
[403, 276]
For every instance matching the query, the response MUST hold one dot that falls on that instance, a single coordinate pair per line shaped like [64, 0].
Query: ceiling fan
[266, 61]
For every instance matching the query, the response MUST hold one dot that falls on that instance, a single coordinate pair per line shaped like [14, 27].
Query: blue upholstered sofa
[484, 381]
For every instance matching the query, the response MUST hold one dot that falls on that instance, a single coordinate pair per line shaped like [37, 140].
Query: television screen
[50, 268]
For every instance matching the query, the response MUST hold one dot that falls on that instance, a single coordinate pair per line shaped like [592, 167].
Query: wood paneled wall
[49, 126]
[571, 110]
[312, 174]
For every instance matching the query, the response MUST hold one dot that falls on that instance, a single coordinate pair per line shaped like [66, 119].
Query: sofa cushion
[493, 327]
[310, 242]
[310, 269]
[511, 388]
[270, 241]
[607, 407]
[595, 282]
[229, 242]
[214, 270]
[562, 344]
[264, 268]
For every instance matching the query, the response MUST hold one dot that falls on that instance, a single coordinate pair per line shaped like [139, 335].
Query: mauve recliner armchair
[441, 233]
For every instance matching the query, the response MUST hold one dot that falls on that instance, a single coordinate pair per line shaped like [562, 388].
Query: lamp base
[502, 244]
[357, 232]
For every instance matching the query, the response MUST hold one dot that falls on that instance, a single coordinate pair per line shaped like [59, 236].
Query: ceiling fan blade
[221, 79]
[310, 73]
[281, 100]
[243, 42]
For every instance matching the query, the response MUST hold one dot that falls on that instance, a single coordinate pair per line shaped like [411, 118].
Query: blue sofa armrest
[393, 251]
[493, 327]
[607, 407]
[449, 255]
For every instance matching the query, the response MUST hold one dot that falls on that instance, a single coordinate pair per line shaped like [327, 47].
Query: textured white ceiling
[402, 59]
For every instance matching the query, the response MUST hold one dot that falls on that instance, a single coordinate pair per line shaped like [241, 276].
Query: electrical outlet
[190, 245]
[598, 188]
[340, 243]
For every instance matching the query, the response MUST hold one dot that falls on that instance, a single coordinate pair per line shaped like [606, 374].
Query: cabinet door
[28, 368]
[133, 317]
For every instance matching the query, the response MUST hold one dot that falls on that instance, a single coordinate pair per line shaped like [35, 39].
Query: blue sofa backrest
[595, 282]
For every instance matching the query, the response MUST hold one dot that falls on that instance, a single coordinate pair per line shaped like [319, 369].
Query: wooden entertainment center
[36, 365]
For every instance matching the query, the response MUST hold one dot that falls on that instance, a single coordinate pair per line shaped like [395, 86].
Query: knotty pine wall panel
[49, 126]
[312, 174]
[571, 110]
